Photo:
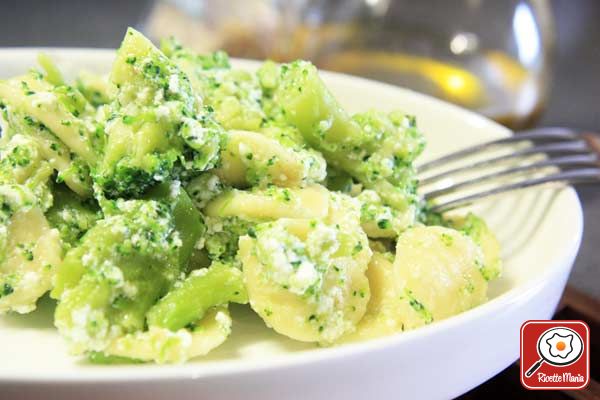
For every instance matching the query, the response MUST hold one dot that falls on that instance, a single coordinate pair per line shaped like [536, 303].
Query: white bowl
[540, 231]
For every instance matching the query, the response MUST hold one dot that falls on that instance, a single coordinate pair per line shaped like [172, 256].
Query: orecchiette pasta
[149, 199]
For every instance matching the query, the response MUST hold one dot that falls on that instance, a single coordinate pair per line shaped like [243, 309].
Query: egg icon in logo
[560, 346]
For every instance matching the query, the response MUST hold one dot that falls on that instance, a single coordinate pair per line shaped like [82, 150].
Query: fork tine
[577, 146]
[575, 176]
[530, 135]
[589, 160]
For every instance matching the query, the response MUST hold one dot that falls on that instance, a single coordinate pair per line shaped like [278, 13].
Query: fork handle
[593, 140]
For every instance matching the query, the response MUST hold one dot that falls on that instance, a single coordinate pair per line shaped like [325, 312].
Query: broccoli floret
[221, 241]
[174, 50]
[375, 148]
[339, 181]
[156, 129]
[381, 221]
[204, 188]
[124, 264]
[234, 95]
[72, 215]
[131, 178]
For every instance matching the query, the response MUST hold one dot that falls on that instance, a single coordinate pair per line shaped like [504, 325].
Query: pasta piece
[271, 204]
[381, 221]
[23, 163]
[235, 213]
[439, 274]
[53, 74]
[22, 126]
[36, 143]
[434, 276]
[306, 279]
[162, 345]
[251, 158]
[96, 89]
[33, 251]
[382, 245]
[29, 249]
[386, 311]
[477, 229]
[59, 109]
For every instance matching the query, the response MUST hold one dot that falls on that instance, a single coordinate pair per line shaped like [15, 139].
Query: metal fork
[529, 158]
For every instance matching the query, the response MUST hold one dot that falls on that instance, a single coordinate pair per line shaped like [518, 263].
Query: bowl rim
[171, 373]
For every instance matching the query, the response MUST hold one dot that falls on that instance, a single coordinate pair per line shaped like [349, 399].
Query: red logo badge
[555, 355]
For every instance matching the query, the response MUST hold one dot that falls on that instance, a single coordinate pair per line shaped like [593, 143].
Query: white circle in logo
[560, 346]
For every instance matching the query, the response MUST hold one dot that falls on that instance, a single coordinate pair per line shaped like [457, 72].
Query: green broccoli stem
[219, 284]
[310, 106]
[188, 220]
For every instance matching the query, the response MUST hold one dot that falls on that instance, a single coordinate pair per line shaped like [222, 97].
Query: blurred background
[513, 60]
[522, 63]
